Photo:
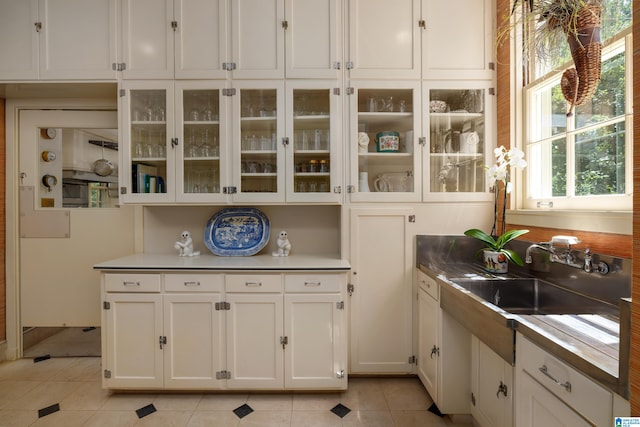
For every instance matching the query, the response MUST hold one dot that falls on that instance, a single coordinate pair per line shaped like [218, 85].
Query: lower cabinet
[217, 331]
[551, 393]
[444, 348]
[491, 387]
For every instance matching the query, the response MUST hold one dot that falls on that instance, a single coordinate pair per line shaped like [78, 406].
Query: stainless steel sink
[534, 296]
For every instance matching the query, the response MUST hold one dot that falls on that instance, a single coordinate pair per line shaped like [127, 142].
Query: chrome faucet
[565, 256]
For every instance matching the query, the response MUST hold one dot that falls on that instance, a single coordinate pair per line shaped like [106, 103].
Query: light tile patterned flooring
[74, 384]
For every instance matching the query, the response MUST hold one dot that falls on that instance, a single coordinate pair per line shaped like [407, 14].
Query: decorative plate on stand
[237, 232]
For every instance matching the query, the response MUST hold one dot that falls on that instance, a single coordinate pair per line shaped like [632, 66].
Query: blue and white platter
[237, 232]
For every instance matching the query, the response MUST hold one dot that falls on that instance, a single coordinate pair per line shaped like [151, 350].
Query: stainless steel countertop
[595, 345]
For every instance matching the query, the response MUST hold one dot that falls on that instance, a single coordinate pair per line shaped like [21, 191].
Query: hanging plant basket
[583, 35]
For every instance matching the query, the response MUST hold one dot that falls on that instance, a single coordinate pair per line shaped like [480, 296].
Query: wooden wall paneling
[3, 246]
[634, 373]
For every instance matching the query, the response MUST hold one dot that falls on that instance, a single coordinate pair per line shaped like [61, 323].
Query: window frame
[618, 202]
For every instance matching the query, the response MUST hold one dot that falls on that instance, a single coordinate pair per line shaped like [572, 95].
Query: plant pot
[495, 262]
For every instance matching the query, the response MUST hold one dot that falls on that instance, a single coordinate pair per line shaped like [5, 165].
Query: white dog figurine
[284, 246]
[185, 245]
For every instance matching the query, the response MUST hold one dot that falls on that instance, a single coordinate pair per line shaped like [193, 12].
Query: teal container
[387, 141]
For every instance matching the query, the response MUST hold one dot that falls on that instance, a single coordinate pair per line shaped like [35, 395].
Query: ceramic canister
[387, 141]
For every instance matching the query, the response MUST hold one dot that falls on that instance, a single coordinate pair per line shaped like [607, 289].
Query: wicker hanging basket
[583, 35]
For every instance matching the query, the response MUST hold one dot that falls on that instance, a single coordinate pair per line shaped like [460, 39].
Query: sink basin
[534, 296]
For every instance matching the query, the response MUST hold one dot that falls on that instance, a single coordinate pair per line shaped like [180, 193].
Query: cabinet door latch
[502, 388]
[340, 305]
[350, 289]
[412, 218]
[163, 341]
[284, 341]
[223, 375]
[229, 190]
[340, 374]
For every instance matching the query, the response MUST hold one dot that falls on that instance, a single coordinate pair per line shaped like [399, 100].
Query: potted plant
[547, 23]
[496, 256]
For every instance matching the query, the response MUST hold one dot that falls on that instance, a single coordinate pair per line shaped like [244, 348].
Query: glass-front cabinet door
[148, 144]
[383, 142]
[458, 121]
[202, 132]
[313, 166]
[258, 152]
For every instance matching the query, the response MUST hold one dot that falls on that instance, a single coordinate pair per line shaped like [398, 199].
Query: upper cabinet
[457, 40]
[58, 39]
[167, 39]
[384, 39]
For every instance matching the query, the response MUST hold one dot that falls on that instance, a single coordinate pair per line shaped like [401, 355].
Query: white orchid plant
[506, 160]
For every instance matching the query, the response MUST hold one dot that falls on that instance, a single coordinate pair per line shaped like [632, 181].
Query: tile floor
[74, 384]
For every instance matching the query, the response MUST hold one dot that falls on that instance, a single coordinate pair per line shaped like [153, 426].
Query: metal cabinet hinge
[412, 360]
[351, 189]
[337, 189]
[336, 91]
[336, 65]
[228, 66]
[229, 91]
[107, 373]
[122, 93]
[349, 91]
[223, 375]
[221, 306]
[285, 24]
[412, 218]
[123, 190]
[492, 65]
[106, 305]
[162, 340]
[229, 190]
[340, 305]
[349, 65]
[340, 374]
[422, 23]
[350, 289]
[492, 91]
[284, 341]
[174, 25]
[38, 26]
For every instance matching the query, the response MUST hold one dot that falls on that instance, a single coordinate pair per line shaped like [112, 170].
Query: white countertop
[156, 262]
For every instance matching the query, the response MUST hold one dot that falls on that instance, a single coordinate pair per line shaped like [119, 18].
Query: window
[583, 161]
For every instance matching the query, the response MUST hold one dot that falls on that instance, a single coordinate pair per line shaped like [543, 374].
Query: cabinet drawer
[587, 397]
[193, 282]
[132, 282]
[428, 284]
[314, 282]
[253, 283]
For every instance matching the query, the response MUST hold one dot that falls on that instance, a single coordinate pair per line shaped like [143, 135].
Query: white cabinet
[384, 39]
[167, 39]
[182, 331]
[315, 328]
[382, 300]
[444, 348]
[458, 118]
[457, 40]
[313, 41]
[428, 337]
[550, 392]
[58, 40]
[132, 331]
[491, 387]
[187, 142]
[162, 341]
[193, 325]
[295, 341]
[388, 168]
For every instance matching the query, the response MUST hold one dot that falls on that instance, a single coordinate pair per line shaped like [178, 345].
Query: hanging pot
[102, 167]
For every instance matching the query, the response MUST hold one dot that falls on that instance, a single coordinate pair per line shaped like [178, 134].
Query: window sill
[618, 222]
